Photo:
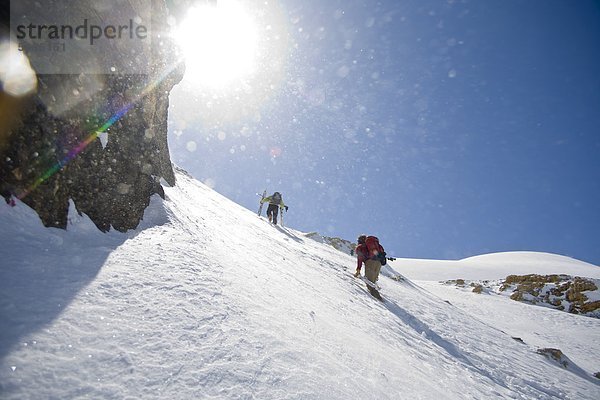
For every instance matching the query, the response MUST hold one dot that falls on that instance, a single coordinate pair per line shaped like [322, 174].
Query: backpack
[376, 251]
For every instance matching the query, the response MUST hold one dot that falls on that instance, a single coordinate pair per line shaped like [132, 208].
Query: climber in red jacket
[372, 254]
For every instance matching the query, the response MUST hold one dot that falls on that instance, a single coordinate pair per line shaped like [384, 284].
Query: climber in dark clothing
[275, 203]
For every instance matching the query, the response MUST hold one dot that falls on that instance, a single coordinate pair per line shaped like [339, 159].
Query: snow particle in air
[191, 146]
[123, 188]
[452, 73]
[221, 135]
[343, 71]
[147, 168]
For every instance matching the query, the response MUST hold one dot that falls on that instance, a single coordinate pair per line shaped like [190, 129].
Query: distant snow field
[208, 301]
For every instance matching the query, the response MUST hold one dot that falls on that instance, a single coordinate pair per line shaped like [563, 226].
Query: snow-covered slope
[209, 301]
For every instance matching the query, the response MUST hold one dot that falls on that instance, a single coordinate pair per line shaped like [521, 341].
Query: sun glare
[219, 44]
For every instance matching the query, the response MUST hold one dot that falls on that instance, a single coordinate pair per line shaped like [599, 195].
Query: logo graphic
[83, 36]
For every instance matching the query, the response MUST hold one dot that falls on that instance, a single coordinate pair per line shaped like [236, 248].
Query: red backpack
[376, 250]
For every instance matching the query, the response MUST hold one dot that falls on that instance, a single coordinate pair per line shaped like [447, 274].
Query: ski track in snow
[208, 301]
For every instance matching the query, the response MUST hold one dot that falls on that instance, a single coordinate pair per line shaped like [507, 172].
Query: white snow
[496, 266]
[208, 301]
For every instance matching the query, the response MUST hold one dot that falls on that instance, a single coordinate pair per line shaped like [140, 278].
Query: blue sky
[446, 128]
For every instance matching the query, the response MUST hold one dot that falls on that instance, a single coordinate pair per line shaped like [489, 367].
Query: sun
[219, 44]
[237, 52]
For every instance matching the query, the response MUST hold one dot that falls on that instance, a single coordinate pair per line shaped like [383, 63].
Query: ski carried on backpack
[261, 204]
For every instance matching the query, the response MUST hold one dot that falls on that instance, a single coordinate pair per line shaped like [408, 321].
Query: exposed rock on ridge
[45, 161]
[575, 295]
[342, 245]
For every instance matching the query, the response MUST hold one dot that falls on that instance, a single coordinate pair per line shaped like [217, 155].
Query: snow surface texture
[208, 301]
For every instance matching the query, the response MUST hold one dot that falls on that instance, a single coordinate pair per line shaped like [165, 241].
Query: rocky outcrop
[342, 245]
[562, 292]
[52, 152]
[556, 355]
[575, 295]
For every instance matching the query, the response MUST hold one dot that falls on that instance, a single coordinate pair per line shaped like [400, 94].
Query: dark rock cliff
[50, 152]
